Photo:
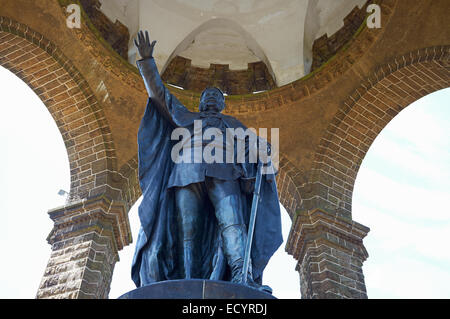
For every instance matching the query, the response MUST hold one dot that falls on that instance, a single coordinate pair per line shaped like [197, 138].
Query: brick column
[85, 239]
[330, 255]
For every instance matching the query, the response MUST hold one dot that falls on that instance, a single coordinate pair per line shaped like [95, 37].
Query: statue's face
[212, 99]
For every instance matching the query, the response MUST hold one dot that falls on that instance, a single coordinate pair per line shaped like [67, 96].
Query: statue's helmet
[212, 97]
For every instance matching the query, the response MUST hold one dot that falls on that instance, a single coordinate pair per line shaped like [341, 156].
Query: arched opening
[401, 192]
[280, 273]
[361, 118]
[34, 167]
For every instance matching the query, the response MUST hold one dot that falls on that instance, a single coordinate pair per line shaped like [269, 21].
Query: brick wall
[288, 180]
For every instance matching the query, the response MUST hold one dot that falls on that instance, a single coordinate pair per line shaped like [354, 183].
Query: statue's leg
[189, 205]
[226, 199]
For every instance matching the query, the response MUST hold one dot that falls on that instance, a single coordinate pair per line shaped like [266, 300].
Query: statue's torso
[195, 168]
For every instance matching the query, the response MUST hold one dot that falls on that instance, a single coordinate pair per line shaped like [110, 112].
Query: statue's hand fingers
[147, 38]
[141, 37]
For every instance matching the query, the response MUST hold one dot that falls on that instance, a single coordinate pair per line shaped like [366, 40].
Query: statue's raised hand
[144, 46]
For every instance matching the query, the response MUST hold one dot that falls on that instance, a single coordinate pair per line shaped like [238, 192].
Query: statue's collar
[205, 114]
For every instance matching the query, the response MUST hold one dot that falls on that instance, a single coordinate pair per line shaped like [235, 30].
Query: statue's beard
[211, 106]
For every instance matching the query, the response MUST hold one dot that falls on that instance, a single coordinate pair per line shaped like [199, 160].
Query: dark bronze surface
[195, 215]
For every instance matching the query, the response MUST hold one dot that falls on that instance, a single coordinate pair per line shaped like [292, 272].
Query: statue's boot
[234, 238]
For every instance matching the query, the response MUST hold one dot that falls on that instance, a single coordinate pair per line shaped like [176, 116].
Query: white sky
[401, 193]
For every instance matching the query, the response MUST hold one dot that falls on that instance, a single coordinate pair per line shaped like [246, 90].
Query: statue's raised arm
[147, 67]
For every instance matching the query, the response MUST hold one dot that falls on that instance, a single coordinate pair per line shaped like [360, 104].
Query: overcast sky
[402, 193]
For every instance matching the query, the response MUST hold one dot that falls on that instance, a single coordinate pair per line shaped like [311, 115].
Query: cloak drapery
[156, 254]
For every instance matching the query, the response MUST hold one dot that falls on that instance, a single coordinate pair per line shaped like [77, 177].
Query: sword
[251, 226]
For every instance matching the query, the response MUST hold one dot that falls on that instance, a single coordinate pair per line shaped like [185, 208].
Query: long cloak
[156, 255]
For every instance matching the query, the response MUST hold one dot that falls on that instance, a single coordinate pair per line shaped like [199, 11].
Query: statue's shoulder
[232, 121]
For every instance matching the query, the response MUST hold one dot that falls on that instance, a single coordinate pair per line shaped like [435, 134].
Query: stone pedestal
[330, 254]
[196, 289]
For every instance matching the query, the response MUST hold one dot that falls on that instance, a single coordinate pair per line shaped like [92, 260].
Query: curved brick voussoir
[70, 101]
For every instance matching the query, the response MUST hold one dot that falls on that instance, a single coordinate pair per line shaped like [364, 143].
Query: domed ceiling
[278, 33]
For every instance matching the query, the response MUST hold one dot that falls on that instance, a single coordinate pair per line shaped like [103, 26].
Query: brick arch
[70, 101]
[362, 117]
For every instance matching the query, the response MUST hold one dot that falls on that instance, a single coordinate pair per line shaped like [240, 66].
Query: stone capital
[101, 214]
[318, 226]
[330, 253]
[86, 238]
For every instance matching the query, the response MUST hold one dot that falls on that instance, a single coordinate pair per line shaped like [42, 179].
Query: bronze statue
[195, 214]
